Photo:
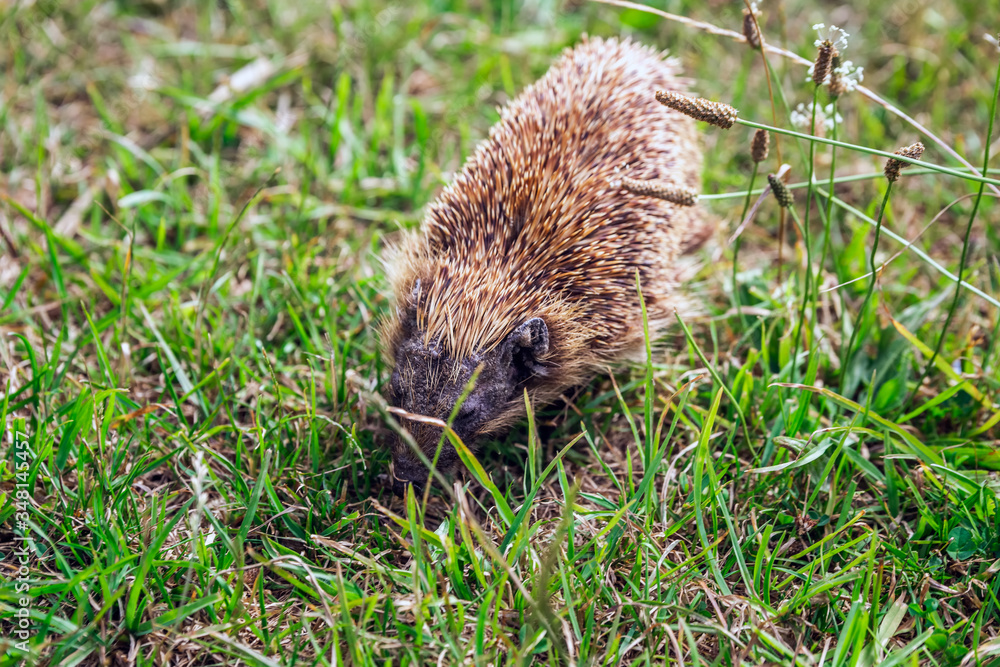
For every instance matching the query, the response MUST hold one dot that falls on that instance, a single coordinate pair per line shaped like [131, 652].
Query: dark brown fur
[525, 266]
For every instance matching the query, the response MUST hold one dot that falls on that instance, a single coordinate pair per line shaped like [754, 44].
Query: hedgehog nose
[405, 471]
[399, 487]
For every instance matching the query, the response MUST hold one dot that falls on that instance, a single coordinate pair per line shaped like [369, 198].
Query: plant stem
[969, 176]
[829, 200]
[849, 350]
[853, 178]
[736, 248]
[807, 241]
[908, 245]
[965, 246]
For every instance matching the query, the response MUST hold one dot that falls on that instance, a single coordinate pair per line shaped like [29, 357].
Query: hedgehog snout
[405, 470]
[428, 382]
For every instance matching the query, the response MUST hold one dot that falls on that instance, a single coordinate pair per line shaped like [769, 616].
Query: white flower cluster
[825, 116]
[833, 34]
[850, 75]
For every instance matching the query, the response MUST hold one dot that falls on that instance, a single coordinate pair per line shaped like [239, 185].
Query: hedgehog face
[428, 381]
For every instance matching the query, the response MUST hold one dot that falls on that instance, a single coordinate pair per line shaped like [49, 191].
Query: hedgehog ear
[408, 309]
[529, 343]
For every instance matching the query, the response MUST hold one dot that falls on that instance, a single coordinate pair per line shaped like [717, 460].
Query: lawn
[194, 202]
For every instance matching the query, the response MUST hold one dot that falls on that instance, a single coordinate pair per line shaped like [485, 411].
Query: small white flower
[825, 116]
[802, 116]
[833, 34]
[850, 76]
[831, 117]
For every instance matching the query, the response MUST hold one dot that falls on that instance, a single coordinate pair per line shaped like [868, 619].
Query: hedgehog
[524, 270]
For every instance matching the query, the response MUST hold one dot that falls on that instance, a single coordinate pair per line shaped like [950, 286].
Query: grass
[193, 201]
